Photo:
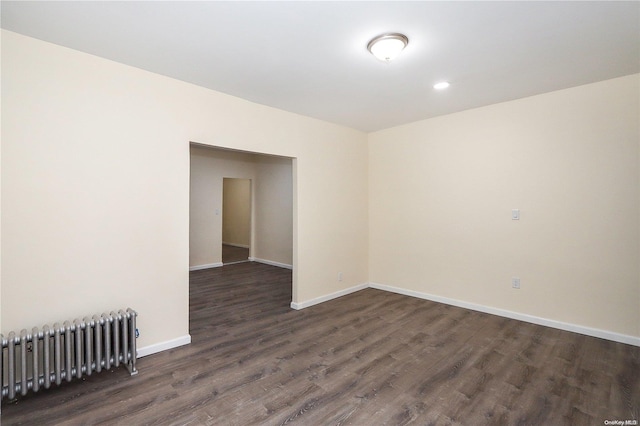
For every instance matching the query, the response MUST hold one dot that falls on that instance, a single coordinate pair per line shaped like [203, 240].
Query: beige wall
[274, 210]
[95, 188]
[442, 190]
[1, 182]
[236, 212]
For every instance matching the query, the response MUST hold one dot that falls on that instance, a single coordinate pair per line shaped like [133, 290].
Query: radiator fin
[33, 361]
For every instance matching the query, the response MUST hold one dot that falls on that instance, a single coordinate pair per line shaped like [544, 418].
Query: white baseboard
[163, 346]
[328, 297]
[271, 262]
[206, 266]
[588, 331]
[235, 245]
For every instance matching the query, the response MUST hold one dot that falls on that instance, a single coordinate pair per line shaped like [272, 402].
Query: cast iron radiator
[50, 355]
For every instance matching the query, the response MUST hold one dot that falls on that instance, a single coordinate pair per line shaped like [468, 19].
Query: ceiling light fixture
[387, 46]
[442, 85]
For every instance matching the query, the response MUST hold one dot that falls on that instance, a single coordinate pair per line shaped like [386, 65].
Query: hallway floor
[233, 254]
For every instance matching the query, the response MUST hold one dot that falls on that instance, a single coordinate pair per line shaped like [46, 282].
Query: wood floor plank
[368, 358]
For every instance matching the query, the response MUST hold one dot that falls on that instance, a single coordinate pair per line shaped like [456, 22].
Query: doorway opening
[271, 235]
[236, 220]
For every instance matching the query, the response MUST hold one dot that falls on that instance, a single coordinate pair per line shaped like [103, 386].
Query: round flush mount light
[441, 85]
[387, 46]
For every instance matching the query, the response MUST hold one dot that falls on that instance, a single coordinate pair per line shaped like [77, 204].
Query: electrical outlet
[339, 276]
[515, 282]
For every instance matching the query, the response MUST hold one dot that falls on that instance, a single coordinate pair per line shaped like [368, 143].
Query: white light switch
[217, 212]
[515, 282]
[515, 214]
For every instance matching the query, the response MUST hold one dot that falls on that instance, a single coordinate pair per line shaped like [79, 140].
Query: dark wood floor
[233, 254]
[369, 358]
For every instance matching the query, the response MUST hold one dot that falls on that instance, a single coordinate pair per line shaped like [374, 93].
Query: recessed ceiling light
[387, 46]
[441, 85]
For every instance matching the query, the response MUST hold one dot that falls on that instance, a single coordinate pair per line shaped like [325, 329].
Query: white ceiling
[311, 57]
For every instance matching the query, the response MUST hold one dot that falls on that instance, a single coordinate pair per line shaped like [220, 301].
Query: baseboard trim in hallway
[271, 262]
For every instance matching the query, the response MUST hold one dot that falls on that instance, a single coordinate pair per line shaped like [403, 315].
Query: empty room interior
[320, 213]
